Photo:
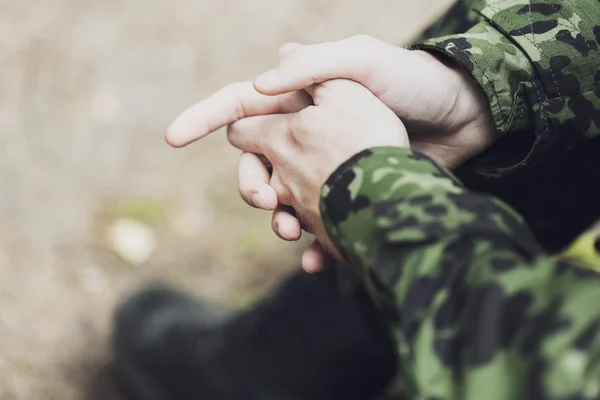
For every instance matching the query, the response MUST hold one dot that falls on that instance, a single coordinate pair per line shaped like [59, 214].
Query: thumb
[302, 66]
[284, 52]
[314, 258]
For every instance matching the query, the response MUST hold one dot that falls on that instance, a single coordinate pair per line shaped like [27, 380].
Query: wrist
[468, 117]
[474, 106]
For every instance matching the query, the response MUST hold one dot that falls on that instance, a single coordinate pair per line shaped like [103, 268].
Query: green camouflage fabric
[478, 309]
[538, 63]
[542, 165]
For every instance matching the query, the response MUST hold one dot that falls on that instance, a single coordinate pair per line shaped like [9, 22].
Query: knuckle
[289, 49]
[295, 55]
[363, 39]
[310, 119]
[295, 126]
[237, 92]
[304, 120]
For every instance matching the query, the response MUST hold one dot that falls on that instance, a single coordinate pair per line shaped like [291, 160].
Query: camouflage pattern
[536, 166]
[537, 62]
[478, 309]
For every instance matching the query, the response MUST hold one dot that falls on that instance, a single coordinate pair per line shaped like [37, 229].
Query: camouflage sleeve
[537, 61]
[478, 310]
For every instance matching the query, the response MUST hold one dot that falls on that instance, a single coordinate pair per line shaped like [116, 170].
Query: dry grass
[86, 90]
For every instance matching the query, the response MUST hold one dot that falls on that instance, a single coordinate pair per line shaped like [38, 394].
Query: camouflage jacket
[478, 308]
[538, 64]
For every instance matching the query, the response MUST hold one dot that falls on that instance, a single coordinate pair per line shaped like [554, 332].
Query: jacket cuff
[533, 62]
[354, 195]
[500, 69]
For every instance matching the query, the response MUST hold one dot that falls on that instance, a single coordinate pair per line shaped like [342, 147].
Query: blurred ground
[86, 90]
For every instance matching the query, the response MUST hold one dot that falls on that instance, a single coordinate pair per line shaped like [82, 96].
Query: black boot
[317, 337]
[165, 345]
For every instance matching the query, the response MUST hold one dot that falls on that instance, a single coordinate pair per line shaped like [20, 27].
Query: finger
[284, 195]
[284, 52]
[262, 134]
[314, 258]
[253, 182]
[306, 65]
[228, 105]
[287, 49]
[285, 224]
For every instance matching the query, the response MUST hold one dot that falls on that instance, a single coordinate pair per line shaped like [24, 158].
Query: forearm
[471, 296]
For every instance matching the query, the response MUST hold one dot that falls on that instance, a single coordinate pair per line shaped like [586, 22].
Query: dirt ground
[86, 91]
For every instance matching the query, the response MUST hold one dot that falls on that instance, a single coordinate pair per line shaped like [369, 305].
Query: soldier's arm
[538, 63]
[478, 310]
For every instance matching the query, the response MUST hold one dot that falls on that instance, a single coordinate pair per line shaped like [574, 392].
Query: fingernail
[282, 234]
[258, 201]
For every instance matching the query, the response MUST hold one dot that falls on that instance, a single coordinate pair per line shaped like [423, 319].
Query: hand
[304, 147]
[444, 110]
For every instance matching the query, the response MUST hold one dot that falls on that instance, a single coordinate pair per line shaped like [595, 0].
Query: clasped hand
[324, 103]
